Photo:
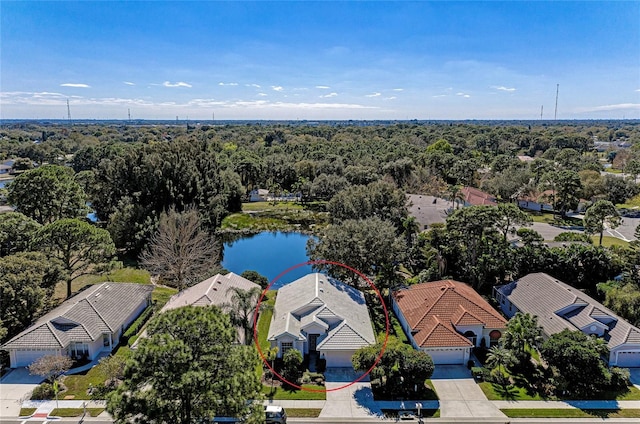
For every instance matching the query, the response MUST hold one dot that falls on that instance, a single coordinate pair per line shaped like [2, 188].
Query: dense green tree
[81, 247]
[577, 360]
[369, 246]
[573, 236]
[188, 369]
[47, 193]
[602, 214]
[624, 300]
[510, 215]
[16, 232]
[618, 190]
[325, 186]
[181, 252]
[400, 369]
[379, 199]
[566, 187]
[27, 281]
[256, 277]
[292, 365]
[500, 359]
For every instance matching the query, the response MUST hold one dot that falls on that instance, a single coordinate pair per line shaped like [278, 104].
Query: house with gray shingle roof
[320, 315]
[559, 306]
[216, 290]
[85, 325]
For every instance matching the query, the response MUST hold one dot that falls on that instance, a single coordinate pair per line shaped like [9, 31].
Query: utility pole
[555, 115]
[541, 109]
[129, 113]
[68, 112]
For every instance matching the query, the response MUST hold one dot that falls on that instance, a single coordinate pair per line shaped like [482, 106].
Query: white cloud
[229, 84]
[253, 85]
[620, 106]
[323, 87]
[329, 95]
[74, 85]
[390, 98]
[638, 90]
[177, 84]
[503, 88]
[277, 88]
[398, 89]
[128, 83]
[466, 96]
[373, 95]
[262, 94]
[437, 96]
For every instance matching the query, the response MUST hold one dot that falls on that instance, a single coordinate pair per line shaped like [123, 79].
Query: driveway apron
[15, 387]
[346, 399]
[460, 396]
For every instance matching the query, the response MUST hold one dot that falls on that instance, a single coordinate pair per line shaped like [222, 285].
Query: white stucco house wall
[321, 315]
[559, 306]
[447, 319]
[85, 325]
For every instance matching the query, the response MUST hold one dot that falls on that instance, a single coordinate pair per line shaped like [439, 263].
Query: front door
[313, 342]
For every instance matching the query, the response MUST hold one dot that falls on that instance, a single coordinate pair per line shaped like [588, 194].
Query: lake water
[270, 254]
[3, 183]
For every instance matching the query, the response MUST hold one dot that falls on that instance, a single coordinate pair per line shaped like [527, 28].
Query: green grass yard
[497, 392]
[572, 413]
[312, 392]
[75, 412]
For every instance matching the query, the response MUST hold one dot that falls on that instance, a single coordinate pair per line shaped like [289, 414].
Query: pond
[3, 183]
[269, 253]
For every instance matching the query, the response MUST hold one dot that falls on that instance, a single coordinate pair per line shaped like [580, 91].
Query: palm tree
[456, 195]
[242, 307]
[523, 334]
[500, 357]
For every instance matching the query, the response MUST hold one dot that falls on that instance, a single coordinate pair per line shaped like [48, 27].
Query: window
[286, 346]
[494, 338]
[105, 340]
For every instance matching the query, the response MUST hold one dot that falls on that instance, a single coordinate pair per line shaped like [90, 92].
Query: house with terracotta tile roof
[84, 326]
[559, 306]
[475, 197]
[319, 315]
[447, 319]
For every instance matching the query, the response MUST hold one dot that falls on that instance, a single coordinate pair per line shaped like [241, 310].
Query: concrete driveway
[15, 387]
[459, 394]
[346, 400]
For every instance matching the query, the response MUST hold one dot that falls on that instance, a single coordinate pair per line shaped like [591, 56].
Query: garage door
[24, 358]
[628, 359]
[339, 358]
[447, 356]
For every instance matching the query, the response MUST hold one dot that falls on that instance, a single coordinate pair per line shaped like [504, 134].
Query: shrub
[137, 324]
[42, 392]
[619, 378]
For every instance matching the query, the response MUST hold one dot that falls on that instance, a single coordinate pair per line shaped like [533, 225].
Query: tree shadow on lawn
[507, 392]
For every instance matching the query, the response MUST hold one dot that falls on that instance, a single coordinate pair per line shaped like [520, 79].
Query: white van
[275, 414]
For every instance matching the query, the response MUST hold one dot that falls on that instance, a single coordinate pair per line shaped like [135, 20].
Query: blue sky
[319, 60]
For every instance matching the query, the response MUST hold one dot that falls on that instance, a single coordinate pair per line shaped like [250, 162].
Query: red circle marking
[320, 261]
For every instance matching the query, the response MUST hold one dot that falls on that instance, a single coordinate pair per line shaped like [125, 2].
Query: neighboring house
[474, 197]
[525, 158]
[5, 169]
[537, 203]
[559, 306]
[83, 326]
[320, 315]
[212, 291]
[447, 319]
[263, 195]
[259, 195]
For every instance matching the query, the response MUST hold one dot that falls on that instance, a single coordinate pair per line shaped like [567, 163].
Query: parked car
[275, 414]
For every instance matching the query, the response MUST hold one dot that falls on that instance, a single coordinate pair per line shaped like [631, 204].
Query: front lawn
[495, 391]
[571, 413]
[280, 393]
[303, 412]
[75, 412]
[608, 241]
